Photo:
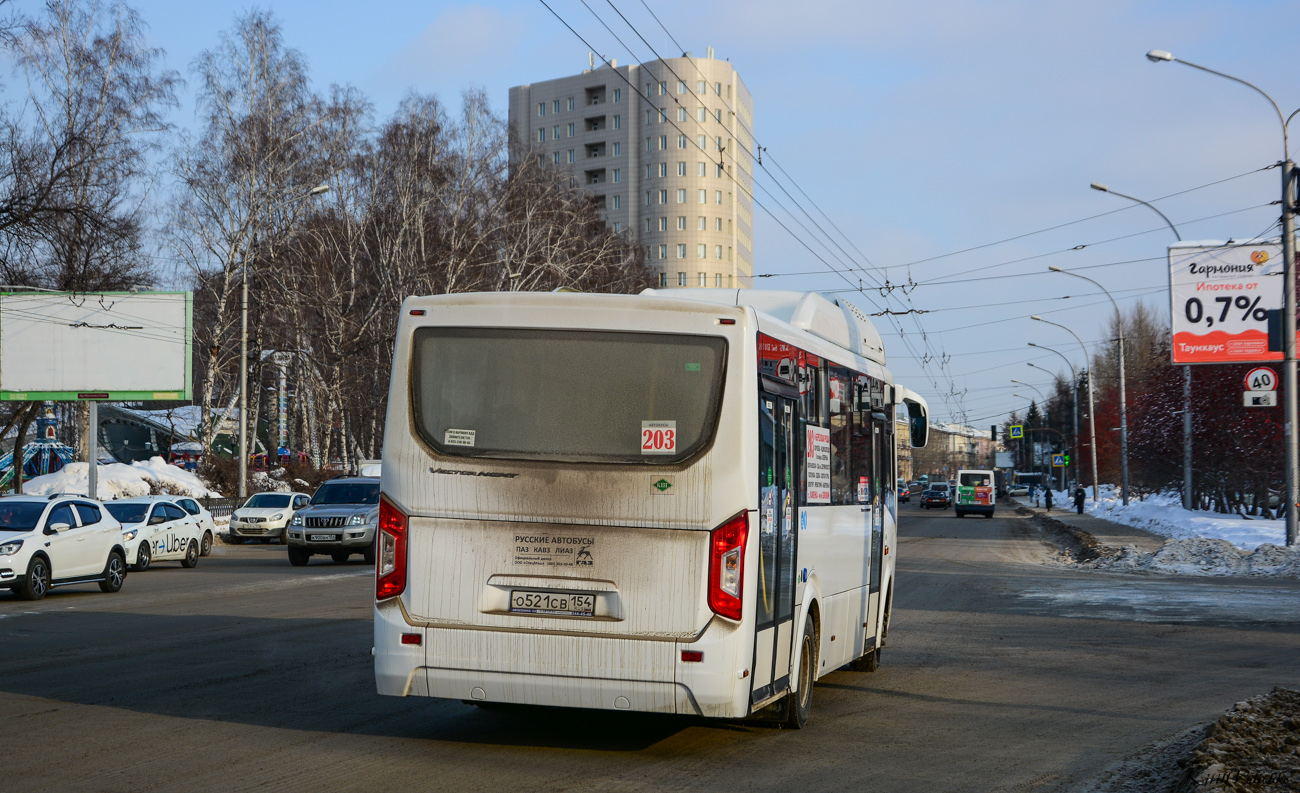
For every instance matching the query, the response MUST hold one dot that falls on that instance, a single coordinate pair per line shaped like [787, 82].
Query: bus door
[778, 496]
[880, 468]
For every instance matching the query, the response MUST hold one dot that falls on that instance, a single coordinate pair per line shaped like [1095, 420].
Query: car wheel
[191, 555]
[988, 514]
[114, 573]
[340, 557]
[298, 557]
[37, 581]
[370, 553]
[284, 535]
[143, 557]
[800, 702]
[206, 548]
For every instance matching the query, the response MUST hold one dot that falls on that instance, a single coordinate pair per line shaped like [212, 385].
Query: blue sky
[920, 128]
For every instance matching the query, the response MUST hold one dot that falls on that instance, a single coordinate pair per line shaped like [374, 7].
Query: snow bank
[1206, 557]
[117, 480]
[1164, 514]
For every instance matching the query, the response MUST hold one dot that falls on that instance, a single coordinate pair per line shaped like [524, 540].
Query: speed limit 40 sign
[1261, 378]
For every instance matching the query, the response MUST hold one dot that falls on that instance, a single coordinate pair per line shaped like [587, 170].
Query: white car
[53, 541]
[205, 519]
[156, 529]
[266, 515]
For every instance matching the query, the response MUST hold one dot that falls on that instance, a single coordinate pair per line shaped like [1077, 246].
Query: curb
[1081, 545]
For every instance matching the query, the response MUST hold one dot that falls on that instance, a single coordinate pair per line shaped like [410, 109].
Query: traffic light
[994, 432]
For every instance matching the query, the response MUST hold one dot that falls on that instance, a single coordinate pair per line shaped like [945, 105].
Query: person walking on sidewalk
[1078, 498]
[1047, 496]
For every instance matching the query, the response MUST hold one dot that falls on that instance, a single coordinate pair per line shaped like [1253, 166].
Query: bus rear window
[976, 480]
[581, 396]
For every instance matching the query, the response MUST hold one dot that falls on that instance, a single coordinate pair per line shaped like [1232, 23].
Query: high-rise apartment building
[665, 148]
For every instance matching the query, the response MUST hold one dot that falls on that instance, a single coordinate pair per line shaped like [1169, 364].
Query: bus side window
[843, 487]
[863, 476]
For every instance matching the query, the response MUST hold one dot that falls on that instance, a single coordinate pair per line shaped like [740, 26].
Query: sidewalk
[1112, 535]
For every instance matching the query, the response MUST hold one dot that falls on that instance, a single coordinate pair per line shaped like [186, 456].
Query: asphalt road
[1004, 672]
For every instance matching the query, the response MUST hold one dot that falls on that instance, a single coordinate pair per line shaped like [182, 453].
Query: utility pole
[1291, 445]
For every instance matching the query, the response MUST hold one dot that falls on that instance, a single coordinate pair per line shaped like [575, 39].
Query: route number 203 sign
[1220, 297]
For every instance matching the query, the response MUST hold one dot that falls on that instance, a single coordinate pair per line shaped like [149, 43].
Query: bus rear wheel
[800, 702]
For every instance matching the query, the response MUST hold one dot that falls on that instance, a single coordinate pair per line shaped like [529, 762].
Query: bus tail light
[390, 572]
[727, 566]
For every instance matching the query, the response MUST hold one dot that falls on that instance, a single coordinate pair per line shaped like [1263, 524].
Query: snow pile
[1163, 513]
[118, 480]
[1208, 557]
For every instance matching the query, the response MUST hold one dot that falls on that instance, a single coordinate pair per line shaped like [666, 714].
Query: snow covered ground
[1201, 543]
[118, 480]
[1164, 514]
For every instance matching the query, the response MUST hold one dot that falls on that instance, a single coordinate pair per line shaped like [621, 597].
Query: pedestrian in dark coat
[1078, 499]
[1047, 497]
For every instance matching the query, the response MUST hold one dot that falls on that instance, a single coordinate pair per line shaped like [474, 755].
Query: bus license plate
[322, 538]
[566, 604]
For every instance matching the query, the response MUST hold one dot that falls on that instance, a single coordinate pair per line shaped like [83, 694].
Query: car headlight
[358, 520]
[297, 520]
[277, 516]
[234, 516]
[129, 535]
[10, 548]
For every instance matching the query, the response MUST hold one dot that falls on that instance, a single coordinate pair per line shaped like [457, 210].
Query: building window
[704, 279]
[571, 130]
[541, 135]
[663, 115]
[649, 144]
[663, 280]
[717, 89]
[663, 224]
[681, 169]
[681, 86]
[701, 115]
[617, 226]
[541, 108]
[701, 141]
[663, 169]
[555, 132]
[681, 251]
[649, 88]
[663, 196]
[555, 157]
[681, 141]
[717, 143]
[648, 172]
[570, 155]
[728, 225]
[681, 223]
[618, 94]
[681, 114]
[618, 176]
[648, 116]
[728, 199]
[701, 169]
[701, 88]
[618, 122]
[717, 197]
[648, 196]
[663, 251]
[618, 204]
[702, 223]
[573, 181]
[728, 254]
[718, 168]
[702, 196]
[570, 103]
[681, 279]
[663, 143]
[719, 281]
[555, 106]
[717, 114]
[681, 196]
[618, 148]
[663, 87]
[717, 249]
[719, 227]
[649, 224]
[701, 252]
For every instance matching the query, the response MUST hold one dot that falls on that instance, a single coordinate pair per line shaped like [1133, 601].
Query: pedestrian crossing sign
[1016, 431]
[1058, 460]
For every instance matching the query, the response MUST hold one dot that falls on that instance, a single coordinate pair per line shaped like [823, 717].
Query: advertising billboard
[1220, 296]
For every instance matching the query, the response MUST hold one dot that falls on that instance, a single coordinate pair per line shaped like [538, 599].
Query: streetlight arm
[1286, 146]
[1104, 291]
[1067, 330]
[1073, 372]
[1151, 207]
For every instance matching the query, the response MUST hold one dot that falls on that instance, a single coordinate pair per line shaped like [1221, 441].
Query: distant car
[156, 529]
[54, 541]
[937, 496]
[266, 515]
[1018, 490]
[904, 494]
[340, 520]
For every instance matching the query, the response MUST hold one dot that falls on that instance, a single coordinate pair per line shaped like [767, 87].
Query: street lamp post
[1123, 406]
[1289, 409]
[1092, 412]
[1074, 393]
[243, 365]
[1187, 368]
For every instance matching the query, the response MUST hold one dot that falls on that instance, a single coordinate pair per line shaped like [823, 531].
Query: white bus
[680, 501]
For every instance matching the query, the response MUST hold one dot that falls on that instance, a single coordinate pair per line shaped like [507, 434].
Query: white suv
[58, 540]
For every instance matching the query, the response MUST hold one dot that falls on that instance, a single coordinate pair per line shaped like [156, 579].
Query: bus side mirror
[920, 424]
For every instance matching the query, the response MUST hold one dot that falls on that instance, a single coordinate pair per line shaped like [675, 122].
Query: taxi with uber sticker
[156, 528]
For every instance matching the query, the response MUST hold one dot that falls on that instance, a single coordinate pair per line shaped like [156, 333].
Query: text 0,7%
[1195, 311]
